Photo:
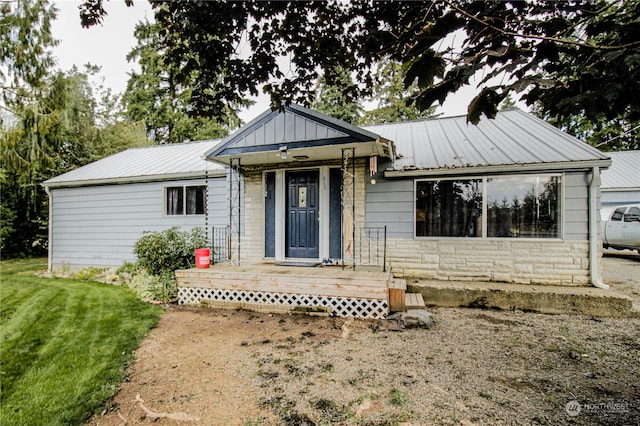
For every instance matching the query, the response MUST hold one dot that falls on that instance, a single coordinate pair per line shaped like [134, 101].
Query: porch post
[280, 215]
[235, 205]
[348, 194]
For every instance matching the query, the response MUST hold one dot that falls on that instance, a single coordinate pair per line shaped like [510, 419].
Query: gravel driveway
[474, 367]
[621, 270]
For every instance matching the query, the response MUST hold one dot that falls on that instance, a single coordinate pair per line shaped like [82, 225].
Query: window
[633, 215]
[617, 215]
[518, 206]
[523, 206]
[175, 200]
[449, 208]
[194, 198]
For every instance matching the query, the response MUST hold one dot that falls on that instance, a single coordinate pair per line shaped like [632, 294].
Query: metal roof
[514, 140]
[624, 172]
[171, 161]
[510, 141]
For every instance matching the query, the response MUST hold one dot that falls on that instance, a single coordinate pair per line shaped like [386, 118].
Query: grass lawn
[64, 344]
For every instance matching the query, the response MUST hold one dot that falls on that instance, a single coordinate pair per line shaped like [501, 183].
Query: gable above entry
[297, 134]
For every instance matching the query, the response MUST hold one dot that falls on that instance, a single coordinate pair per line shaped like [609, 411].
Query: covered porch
[367, 292]
[297, 187]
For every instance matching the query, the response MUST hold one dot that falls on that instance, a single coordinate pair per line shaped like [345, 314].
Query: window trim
[485, 207]
[184, 200]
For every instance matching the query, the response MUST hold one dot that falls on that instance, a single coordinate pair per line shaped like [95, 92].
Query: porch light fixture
[283, 152]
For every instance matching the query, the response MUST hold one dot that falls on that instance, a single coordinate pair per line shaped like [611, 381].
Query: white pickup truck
[622, 229]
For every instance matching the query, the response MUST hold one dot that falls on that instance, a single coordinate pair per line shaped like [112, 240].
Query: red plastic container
[202, 257]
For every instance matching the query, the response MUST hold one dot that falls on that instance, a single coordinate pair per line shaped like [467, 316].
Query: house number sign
[302, 196]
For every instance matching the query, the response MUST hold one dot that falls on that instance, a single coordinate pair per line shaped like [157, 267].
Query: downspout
[49, 231]
[594, 184]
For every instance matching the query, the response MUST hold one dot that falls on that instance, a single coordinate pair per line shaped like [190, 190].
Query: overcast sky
[109, 44]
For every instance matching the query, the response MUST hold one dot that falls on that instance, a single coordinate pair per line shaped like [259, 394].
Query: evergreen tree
[156, 97]
[335, 96]
[508, 103]
[51, 122]
[25, 48]
[395, 102]
[617, 134]
[50, 135]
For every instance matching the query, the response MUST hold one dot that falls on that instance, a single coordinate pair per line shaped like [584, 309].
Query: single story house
[620, 182]
[97, 212]
[511, 200]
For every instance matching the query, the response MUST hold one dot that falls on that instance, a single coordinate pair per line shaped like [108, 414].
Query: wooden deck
[361, 292]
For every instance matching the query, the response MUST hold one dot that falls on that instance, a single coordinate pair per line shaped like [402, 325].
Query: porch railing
[220, 243]
[371, 247]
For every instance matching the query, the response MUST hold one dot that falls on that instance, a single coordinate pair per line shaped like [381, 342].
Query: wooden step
[413, 301]
[397, 290]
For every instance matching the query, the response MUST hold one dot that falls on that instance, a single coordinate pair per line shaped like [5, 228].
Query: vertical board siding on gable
[286, 128]
[300, 129]
[98, 225]
[280, 133]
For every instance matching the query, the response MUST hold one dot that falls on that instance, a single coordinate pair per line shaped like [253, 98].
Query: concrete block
[581, 280]
[544, 299]
[446, 249]
[503, 263]
[430, 258]
[501, 277]
[523, 267]
[474, 265]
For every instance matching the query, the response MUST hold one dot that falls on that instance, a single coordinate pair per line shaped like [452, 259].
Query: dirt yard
[215, 367]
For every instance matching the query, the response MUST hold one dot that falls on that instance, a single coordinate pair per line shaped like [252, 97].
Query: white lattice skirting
[340, 306]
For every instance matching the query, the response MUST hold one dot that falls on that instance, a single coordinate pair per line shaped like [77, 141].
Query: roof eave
[619, 188]
[536, 167]
[135, 179]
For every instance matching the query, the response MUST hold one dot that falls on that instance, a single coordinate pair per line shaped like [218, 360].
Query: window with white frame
[513, 206]
[190, 200]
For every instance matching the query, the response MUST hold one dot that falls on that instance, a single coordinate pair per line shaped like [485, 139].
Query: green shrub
[90, 273]
[154, 287]
[169, 250]
[160, 254]
[127, 271]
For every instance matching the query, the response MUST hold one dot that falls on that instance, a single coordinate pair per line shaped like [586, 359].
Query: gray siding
[391, 203]
[576, 206]
[98, 225]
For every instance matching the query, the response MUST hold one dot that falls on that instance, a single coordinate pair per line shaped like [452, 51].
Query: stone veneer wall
[514, 261]
[252, 239]
[519, 262]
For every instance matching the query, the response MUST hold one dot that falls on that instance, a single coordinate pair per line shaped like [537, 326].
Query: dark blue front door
[302, 214]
